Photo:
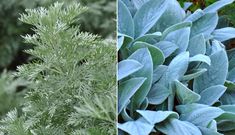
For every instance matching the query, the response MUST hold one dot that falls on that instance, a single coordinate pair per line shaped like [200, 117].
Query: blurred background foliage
[99, 19]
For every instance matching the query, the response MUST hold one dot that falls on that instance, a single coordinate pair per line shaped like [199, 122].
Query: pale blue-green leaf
[205, 24]
[187, 5]
[156, 53]
[124, 52]
[158, 72]
[228, 108]
[128, 67]
[185, 95]
[201, 58]
[228, 98]
[171, 99]
[130, 6]
[125, 21]
[175, 27]
[210, 95]
[154, 117]
[212, 125]
[138, 127]
[195, 16]
[216, 46]
[189, 108]
[224, 34]
[201, 116]
[216, 73]
[193, 74]
[207, 131]
[217, 5]
[127, 89]
[148, 15]
[158, 94]
[144, 57]
[180, 38]
[174, 14]
[167, 47]
[197, 45]
[150, 38]
[120, 42]
[139, 3]
[176, 69]
[177, 127]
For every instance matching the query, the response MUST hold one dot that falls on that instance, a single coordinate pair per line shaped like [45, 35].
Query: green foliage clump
[11, 92]
[175, 75]
[72, 78]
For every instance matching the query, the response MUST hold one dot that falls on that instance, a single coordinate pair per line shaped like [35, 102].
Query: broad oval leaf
[154, 117]
[128, 67]
[158, 73]
[148, 15]
[177, 127]
[158, 94]
[197, 45]
[216, 73]
[127, 89]
[185, 95]
[205, 25]
[144, 57]
[176, 69]
[210, 95]
[157, 55]
[167, 47]
[201, 58]
[138, 127]
[125, 21]
[224, 34]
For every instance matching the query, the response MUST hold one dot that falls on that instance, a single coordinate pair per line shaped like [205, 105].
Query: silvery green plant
[175, 76]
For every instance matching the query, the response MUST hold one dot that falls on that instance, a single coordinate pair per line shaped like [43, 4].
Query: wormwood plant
[72, 79]
[175, 76]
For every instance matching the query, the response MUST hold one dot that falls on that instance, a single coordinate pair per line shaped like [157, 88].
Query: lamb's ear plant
[72, 78]
[175, 75]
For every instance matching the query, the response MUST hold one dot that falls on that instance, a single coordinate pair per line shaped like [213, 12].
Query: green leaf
[127, 89]
[198, 114]
[228, 98]
[185, 95]
[125, 21]
[157, 55]
[128, 67]
[144, 57]
[224, 34]
[212, 94]
[176, 69]
[167, 47]
[193, 74]
[217, 5]
[177, 127]
[205, 25]
[158, 94]
[197, 45]
[201, 58]
[138, 127]
[216, 73]
[148, 15]
[154, 117]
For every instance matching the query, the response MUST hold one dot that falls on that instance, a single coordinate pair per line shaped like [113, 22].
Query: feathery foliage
[72, 78]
